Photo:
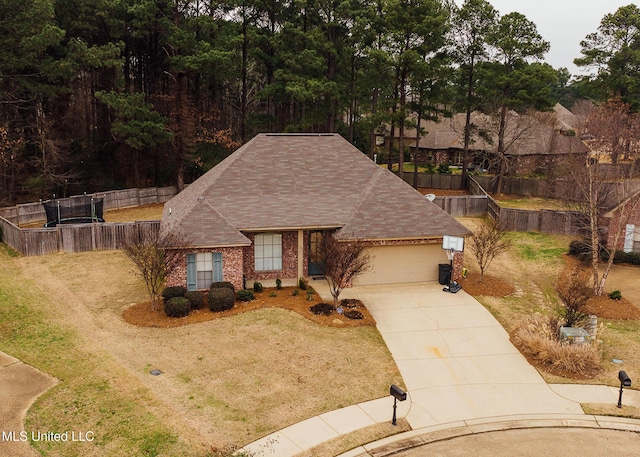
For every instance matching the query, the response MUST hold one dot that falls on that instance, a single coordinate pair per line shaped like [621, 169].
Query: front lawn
[224, 382]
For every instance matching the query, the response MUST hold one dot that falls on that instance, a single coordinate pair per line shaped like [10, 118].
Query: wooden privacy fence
[74, 238]
[465, 206]
[30, 213]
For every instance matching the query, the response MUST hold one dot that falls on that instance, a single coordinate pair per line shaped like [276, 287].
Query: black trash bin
[444, 273]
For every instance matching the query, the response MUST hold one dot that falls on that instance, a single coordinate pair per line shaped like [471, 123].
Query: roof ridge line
[364, 194]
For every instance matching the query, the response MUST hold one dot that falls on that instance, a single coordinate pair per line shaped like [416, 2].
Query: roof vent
[200, 198]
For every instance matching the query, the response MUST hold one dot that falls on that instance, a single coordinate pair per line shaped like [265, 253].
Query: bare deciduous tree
[155, 255]
[342, 262]
[605, 188]
[487, 243]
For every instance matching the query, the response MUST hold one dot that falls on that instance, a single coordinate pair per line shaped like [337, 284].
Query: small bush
[245, 295]
[273, 294]
[196, 298]
[350, 303]
[257, 286]
[303, 283]
[322, 308]
[615, 295]
[223, 284]
[295, 292]
[221, 299]
[174, 291]
[278, 283]
[443, 169]
[177, 307]
[353, 314]
[632, 258]
[309, 295]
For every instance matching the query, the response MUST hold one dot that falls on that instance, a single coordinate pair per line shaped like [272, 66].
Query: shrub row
[581, 249]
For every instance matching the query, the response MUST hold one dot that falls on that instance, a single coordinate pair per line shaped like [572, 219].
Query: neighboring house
[629, 240]
[534, 143]
[260, 213]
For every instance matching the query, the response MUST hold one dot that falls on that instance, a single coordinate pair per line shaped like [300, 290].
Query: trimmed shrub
[173, 291]
[257, 286]
[615, 295]
[278, 283]
[303, 283]
[245, 295]
[177, 307]
[295, 292]
[223, 284]
[322, 308]
[221, 299]
[196, 298]
[353, 314]
[632, 258]
[351, 303]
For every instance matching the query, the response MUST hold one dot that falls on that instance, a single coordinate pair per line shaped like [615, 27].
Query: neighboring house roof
[526, 134]
[302, 181]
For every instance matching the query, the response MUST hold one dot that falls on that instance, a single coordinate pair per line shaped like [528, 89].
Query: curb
[416, 438]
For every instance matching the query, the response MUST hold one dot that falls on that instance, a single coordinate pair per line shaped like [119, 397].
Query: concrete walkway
[458, 366]
[20, 385]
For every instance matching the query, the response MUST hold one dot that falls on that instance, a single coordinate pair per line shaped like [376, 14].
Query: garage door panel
[398, 264]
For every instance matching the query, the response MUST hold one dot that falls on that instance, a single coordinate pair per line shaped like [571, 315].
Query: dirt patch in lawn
[142, 315]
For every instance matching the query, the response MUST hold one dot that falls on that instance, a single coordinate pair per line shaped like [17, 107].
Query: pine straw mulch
[142, 315]
[603, 306]
[489, 286]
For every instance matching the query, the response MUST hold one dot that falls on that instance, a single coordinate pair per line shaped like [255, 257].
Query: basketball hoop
[450, 253]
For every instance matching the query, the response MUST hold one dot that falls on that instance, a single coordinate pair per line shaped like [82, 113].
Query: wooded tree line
[100, 94]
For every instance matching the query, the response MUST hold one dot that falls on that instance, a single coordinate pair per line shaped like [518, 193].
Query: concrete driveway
[455, 358]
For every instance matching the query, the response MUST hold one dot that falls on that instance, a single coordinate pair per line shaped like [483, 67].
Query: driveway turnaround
[20, 385]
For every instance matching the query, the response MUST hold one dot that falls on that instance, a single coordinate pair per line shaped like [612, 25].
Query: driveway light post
[398, 394]
[625, 381]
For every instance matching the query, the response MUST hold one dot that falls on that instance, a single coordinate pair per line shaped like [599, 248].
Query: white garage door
[397, 264]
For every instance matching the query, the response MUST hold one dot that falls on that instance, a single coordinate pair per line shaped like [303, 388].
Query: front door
[315, 268]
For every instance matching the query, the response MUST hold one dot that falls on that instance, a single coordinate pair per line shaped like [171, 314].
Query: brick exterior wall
[289, 259]
[232, 263]
[614, 225]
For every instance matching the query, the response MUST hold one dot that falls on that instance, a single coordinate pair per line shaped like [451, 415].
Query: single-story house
[535, 143]
[260, 213]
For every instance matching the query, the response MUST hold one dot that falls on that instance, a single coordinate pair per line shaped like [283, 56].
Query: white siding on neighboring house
[632, 238]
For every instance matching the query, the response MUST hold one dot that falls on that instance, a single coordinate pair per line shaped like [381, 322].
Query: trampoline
[74, 210]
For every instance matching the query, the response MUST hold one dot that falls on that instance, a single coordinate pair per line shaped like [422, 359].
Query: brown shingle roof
[298, 181]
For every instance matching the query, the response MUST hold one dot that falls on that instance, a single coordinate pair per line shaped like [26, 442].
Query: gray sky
[563, 23]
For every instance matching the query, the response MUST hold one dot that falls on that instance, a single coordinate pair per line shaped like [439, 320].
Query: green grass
[538, 247]
[86, 399]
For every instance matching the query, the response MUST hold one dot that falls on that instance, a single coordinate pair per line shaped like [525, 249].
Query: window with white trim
[268, 251]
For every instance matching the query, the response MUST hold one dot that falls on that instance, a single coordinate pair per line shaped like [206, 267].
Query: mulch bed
[142, 315]
[489, 286]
